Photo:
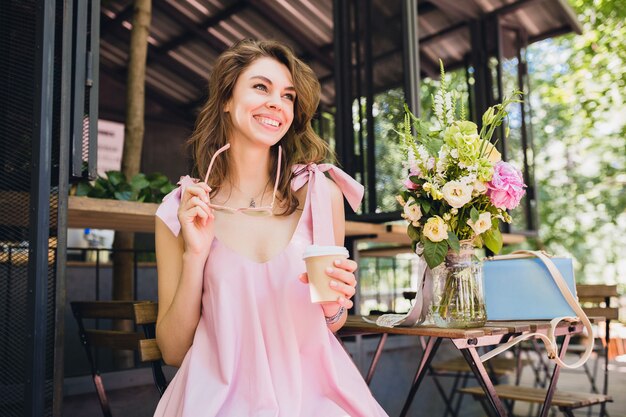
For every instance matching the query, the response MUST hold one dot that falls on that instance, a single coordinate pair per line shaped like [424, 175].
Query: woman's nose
[273, 102]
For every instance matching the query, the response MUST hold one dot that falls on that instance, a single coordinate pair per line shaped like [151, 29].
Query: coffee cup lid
[318, 250]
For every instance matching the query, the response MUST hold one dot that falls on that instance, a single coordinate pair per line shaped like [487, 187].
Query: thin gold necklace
[253, 199]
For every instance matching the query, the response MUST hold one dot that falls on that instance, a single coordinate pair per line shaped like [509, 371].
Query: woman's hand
[196, 219]
[342, 281]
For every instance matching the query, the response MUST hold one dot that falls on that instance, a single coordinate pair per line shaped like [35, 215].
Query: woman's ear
[227, 107]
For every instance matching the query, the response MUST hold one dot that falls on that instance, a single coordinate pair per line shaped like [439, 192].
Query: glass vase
[458, 298]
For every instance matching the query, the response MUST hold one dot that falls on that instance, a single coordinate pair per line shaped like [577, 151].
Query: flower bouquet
[455, 195]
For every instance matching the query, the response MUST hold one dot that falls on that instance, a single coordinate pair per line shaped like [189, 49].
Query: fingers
[195, 204]
[346, 264]
[200, 190]
[346, 290]
[345, 276]
[304, 278]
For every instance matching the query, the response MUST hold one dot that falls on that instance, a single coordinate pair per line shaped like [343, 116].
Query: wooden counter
[130, 216]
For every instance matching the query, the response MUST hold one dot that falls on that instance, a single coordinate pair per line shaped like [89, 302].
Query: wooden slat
[356, 325]
[610, 313]
[149, 350]
[111, 214]
[595, 292]
[146, 312]
[512, 326]
[113, 339]
[500, 366]
[567, 399]
[139, 217]
[104, 309]
[112, 309]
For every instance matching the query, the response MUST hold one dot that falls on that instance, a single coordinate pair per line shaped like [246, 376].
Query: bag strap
[549, 339]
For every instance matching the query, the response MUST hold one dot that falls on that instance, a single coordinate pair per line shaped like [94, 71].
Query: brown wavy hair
[301, 145]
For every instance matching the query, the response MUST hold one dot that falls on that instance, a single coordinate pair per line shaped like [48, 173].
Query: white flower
[400, 200]
[482, 224]
[438, 105]
[436, 229]
[412, 211]
[423, 153]
[430, 164]
[480, 187]
[449, 108]
[454, 153]
[457, 194]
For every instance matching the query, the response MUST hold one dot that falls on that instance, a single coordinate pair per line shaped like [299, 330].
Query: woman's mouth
[267, 121]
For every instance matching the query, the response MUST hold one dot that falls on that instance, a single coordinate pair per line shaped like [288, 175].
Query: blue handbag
[521, 288]
[530, 285]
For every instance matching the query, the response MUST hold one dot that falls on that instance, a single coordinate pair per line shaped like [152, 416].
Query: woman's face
[262, 105]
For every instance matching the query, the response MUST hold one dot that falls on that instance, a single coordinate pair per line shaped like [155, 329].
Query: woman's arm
[180, 292]
[180, 268]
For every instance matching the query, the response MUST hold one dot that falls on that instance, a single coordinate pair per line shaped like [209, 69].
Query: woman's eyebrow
[267, 80]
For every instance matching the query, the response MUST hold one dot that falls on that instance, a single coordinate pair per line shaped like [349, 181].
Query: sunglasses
[251, 211]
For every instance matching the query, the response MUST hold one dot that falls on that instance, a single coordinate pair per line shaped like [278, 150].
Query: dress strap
[319, 196]
[168, 210]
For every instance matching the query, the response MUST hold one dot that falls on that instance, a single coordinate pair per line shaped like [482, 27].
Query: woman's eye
[260, 87]
[290, 97]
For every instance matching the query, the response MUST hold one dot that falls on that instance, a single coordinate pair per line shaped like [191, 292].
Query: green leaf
[413, 233]
[123, 195]
[435, 252]
[425, 206]
[453, 241]
[432, 145]
[474, 214]
[166, 189]
[493, 240]
[139, 182]
[115, 177]
[83, 188]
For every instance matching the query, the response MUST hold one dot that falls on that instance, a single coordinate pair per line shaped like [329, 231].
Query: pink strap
[168, 210]
[319, 194]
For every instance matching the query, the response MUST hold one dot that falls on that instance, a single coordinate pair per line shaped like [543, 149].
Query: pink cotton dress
[261, 347]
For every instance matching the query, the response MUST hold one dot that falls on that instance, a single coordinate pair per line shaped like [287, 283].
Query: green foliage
[145, 188]
[434, 252]
[579, 103]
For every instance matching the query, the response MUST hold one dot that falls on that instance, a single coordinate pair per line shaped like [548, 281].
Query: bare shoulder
[335, 192]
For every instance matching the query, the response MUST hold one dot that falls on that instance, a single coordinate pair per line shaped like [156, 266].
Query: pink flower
[506, 188]
[410, 184]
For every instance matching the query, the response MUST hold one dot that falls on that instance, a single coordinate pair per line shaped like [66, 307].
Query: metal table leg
[429, 354]
[473, 360]
[379, 350]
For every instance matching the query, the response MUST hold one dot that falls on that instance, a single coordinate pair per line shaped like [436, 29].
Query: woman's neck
[250, 171]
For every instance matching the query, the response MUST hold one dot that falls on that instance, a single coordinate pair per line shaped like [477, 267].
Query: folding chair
[142, 313]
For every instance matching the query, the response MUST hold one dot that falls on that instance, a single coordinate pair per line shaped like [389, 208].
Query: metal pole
[61, 254]
[39, 210]
[411, 60]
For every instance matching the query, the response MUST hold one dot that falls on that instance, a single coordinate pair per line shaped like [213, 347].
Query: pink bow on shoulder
[351, 189]
[319, 194]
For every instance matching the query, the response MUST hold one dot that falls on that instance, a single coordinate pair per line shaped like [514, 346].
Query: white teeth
[267, 121]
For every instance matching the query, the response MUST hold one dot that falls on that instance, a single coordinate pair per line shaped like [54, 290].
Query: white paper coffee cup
[317, 259]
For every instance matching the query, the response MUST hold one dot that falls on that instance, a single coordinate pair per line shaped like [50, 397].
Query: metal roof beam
[196, 29]
[110, 23]
[122, 35]
[153, 95]
[295, 32]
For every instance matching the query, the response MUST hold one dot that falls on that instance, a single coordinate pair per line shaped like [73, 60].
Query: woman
[234, 314]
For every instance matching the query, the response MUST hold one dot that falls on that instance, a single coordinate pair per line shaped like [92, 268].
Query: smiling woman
[234, 307]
